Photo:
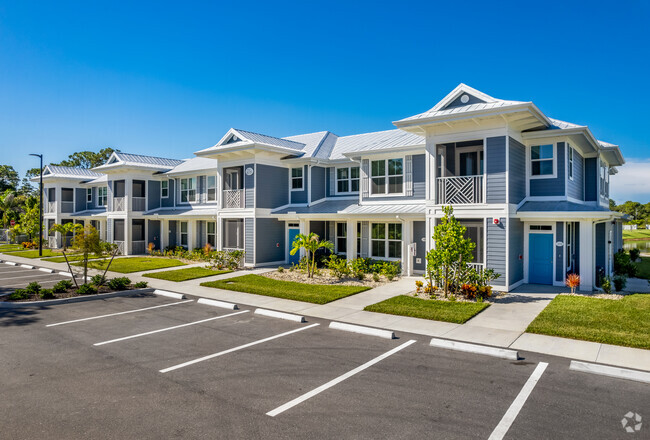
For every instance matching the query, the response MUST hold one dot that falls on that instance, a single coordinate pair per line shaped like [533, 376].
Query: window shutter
[365, 165]
[365, 235]
[331, 231]
[332, 172]
[408, 176]
[201, 190]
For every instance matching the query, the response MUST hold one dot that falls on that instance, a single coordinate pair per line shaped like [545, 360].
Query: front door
[540, 257]
[292, 259]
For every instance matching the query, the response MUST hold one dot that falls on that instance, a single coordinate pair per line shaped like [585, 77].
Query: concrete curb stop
[370, 331]
[475, 348]
[11, 263]
[280, 315]
[169, 294]
[606, 370]
[27, 266]
[46, 270]
[215, 303]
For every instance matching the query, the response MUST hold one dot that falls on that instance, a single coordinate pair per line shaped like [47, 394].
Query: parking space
[17, 277]
[201, 371]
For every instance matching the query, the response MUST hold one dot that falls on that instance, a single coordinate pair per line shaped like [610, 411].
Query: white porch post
[587, 274]
[127, 236]
[351, 239]
[219, 221]
[304, 229]
[407, 238]
[163, 234]
[191, 234]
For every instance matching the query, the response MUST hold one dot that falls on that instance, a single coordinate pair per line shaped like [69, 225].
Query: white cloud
[632, 182]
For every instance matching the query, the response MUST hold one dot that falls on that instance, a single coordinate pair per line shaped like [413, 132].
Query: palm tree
[65, 229]
[310, 243]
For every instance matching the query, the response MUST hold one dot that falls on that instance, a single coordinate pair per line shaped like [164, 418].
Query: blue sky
[169, 78]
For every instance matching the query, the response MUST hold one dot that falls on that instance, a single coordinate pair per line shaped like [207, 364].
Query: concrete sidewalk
[503, 324]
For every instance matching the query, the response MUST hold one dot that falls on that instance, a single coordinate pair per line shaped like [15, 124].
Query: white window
[347, 179]
[386, 240]
[570, 162]
[212, 188]
[212, 234]
[296, 179]
[188, 190]
[341, 238]
[102, 195]
[89, 195]
[164, 189]
[387, 176]
[541, 160]
[184, 235]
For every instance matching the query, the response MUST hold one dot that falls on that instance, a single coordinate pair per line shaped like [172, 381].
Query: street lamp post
[40, 208]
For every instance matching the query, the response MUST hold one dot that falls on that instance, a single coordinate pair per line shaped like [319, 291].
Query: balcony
[119, 203]
[139, 203]
[50, 207]
[67, 207]
[460, 190]
[233, 198]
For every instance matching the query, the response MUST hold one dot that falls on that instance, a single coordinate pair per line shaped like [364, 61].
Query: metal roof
[59, 171]
[312, 141]
[352, 207]
[100, 212]
[138, 159]
[379, 140]
[270, 140]
[463, 109]
[194, 164]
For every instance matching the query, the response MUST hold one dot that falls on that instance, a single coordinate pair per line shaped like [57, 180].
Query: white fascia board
[213, 151]
[405, 149]
[574, 215]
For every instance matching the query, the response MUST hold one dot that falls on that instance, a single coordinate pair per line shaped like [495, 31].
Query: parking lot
[15, 276]
[153, 367]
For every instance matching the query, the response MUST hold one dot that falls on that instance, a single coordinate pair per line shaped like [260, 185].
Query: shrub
[338, 266]
[280, 269]
[388, 269]
[18, 294]
[375, 277]
[623, 265]
[572, 281]
[606, 284]
[620, 281]
[141, 285]
[62, 286]
[87, 289]
[120, 283]
[359, 267]
[634, 254]
[98, 280]
[418, 286]
[33, 288]
[47, 293]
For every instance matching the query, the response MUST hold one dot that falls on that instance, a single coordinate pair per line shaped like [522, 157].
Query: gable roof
[68, 173]
[236, 139]
[193, 164]
[119, 159]
[375, 141]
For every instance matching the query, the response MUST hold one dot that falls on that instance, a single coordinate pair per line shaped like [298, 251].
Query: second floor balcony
[119, 204]
[233, 198]
[460, 190]
[138, 203]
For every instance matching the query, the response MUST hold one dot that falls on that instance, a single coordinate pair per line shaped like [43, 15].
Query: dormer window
[541, 160]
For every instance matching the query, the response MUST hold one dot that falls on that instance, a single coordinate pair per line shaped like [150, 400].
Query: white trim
[302, 177]
[386, 240]
[529, 161]
[386, 176]
[349, 180]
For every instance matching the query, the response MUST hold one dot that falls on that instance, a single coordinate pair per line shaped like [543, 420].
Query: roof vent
[464, 99]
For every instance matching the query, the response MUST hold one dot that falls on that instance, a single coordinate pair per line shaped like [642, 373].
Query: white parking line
[230, 350]
[119, 313]
[331, 383]
[33, 275]
[170, 328]
[42, 282]
[510, 415]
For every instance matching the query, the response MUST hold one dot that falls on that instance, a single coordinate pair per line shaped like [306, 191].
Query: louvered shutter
[332, 176]
[365, 239]
[365, 165]
[408, 176]
[331, 231]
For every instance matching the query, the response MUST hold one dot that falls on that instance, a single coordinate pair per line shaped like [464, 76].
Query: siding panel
[559, 252]
[249, 187]
[301, 196]
[249, 240]
[553, 186]
[496, 250]
[169, 201]
[517, 171]
[317, 183]
[576, 187]
[153, 196]
[496, 169]
[273, 187]
[271, 244]
[516, 245]
[591, 179]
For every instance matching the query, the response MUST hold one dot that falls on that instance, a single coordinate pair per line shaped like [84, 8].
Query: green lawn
[623, 322]
[313, 293]
[638, 233]
[134, 264]
[448, 311]
[644, 268]
[70, 258]
[189, 273]
[33, 253]
[10, 247]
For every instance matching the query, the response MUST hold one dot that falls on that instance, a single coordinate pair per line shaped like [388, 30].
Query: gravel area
[325, 277]
[597, 295]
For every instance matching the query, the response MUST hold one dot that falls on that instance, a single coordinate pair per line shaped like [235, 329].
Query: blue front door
[295, 259]
[540, 253]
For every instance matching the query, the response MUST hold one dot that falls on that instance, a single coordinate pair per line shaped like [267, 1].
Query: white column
[219, 233]
[191, 234]
[127, 236]
[163, 234]
[407, 238]
[587, 264]
[304, 229]
[351, 239]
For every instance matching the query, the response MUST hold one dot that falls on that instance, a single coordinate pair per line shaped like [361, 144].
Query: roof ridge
[268, 135]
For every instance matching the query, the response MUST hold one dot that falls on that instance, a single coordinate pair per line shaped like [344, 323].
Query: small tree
[29, 220]
[310, 243]
[87, 242]
[65, 229]
[448, 259]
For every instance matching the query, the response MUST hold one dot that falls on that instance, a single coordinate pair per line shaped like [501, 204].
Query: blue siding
[80, 199]
[516, 247]
[419, 176]
[458, 103]
[551, 187]
[576, 187]
[601, 245]
[517, 173]
[270, 245]
[153, 196]
[273, 188]
[591, 179]
[301, 196]
[169, 201]
[153, 233]
[249, 187]
[496, 250]
[249, 240]
[559, 252]
[317, 183]
[419, 232]
[496, 170]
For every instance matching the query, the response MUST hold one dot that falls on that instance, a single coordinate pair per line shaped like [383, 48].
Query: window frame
[530, 161]
[292, 178]
[386, 176]
[188, 190]
[386, 240]
[570, 163]
[102, 193]
[342, 237]
[186, 234]
[89, 195]
[166, 189]
[208, 233]
[348, 179]
[208, 187]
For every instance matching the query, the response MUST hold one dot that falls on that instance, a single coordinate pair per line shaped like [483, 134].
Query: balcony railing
[119, 204]
[477, 266]
[51, 242]
[461, 190]
[67, 207]
[233, 198]
[50, 207]
[138, 247]
[139, 203]
[120, 247]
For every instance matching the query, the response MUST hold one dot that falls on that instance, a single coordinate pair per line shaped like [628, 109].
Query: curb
[11, 263]
[45, 269]
[27, 266]
[605, 370]
[280, 315]
[474, 348]
[54, 302]
[215, 303]
[169, 294]
[370, 331]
